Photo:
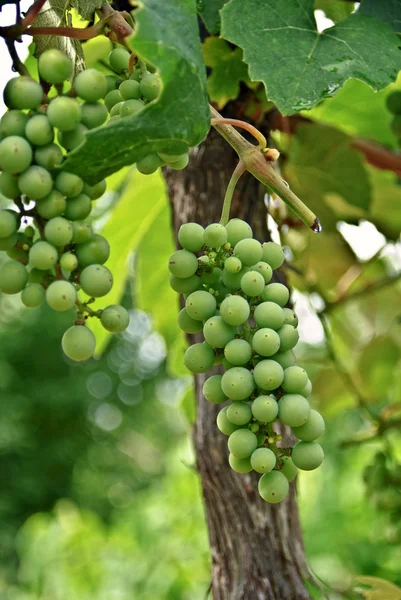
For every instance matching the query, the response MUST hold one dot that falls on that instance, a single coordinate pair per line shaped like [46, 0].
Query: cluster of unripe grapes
[224, 275]
[54, 256]
[394, 106]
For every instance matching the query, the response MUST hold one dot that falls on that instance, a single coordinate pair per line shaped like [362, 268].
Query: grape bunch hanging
[225, 277]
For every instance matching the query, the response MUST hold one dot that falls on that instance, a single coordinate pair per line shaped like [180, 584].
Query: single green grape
[171, 158]
[68, 184]
[9, 186]
[130, 90]
[217, 333]
[295, 379]
[223, 424]
[23, 93]
[52, 205]
[266, 342]
[149, 164]
[290, 318]
[249, 251]
[307, 390]
[239, 465]
[96, 280]
[233, 264]
[54, 66]
[265, 409]
[215, 235]
[252, 283]
[237, 383]
[74, 138]
[239, 413]
[263, 460]
[242, 443]
[199, 358]
[64, 113]
[68, 262]
[119, 60]
[36, 182]
[312, 429]
[32, 295]
[276, 292]
[273, 254]
[82, 232]
[187, 323]
[289, 470]
[8, 223]
[8, 242]
[268, 375]
[39, 131]
[273, 487]
[49, 156]
[238, 230]
[307, 455]
[112, 98]
[212, 390]
[13, 122]
[95, 191]
[185, 285]
[58, 231]
[61, 295]
[115, 110]
[15, 154]
[183, 263]
[264, 269]
[78, 208]
[211, 277]
[289, 337]
[200, 305]
[234, 310]
[293, 410]
[233, 280]
[78, 343]
[95, 251]
[42, 256]
[190, 236]
[90, 85]
[150, 86]
[181, 163]
[285, 359]
[93, 114]
[132, 107]
[13, 277]
[238, 352]
[115, 318]
[269, 314]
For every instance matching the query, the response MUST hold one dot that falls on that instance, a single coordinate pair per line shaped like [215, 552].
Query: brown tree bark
[256, 548]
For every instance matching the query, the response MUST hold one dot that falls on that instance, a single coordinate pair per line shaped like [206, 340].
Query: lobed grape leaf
[336, 10]
[166, 36]
[300, 66]
[385, 10]
[228, 70]
[209, 12]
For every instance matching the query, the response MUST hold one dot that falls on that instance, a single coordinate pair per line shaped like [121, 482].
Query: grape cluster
[59, 254]
[394, 106]
[224, 275]
[127, 93]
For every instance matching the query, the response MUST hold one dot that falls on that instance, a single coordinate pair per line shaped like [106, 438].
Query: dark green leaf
[385, 10]
[167, 36]
[336, 10]
[385, 210]
[209, 12]
[300, 66]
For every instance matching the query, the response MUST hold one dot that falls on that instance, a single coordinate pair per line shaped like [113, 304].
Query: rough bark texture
[256, 548]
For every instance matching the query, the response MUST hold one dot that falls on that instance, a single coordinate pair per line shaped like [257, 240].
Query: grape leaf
[385, 210]
[228, 70]
[321, 163]
[336, 10]
[209, 13]
[386, 10]
[299, 66]
[166, 36]
[380, 589]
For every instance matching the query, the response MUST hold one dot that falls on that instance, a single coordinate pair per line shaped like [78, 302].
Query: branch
[78, 33]
[32, 13]
[376, 285]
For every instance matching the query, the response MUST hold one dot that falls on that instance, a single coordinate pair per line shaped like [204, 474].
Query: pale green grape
[276, 292]
[273, 487]
[215, 235]
[78, 208]
[295, 379]
[263, 460]
[239, 465]
[95, 251]
[183, 263]
[131, 107]
[233, 280]
[265, 409]
[90, 85]
[212, 390]
[312, 429]
[238, 230]
[264, 269]
[43, 255]
[15, 154]
[190, 236]
[68, 184]
[22, 92]
[82, 232]
[8, 242]
[8, 223]
[54, 66]
[269, 314]
[289, 337]
[52, 205]
[187, 323]
[39, 131]
[93, 114]
[171, 158]
[96, 280]
[273, 254]
[9, 186]
[68, 262]
[249, 251]
[217, 333]
[237, 383]
[239, 413]
[307, 455]
[226, 364]
[293, 410]
[149, 164]
[112, 98]
[290, 318]
[13, 277]
[234, 310]
[130, 89]
[13, 122]
[78, 342]
[95, 191]
[49, 156]
[252, 283]
[266, 342]
[238, 352]
[64, 113]
[200, 305]
[268, 375]
[119, 60]
[36, 182]
[33, 295]
[61, 295]
[150, 86]
[223, 424]
[211, 277]
[199, 358]
[307, 390]
[285, 359]
[180, 164]
[58, 231]
[185, 285]
[114, 318]
[233, 264]
[74, 138]
[289, 470]
[242, 443]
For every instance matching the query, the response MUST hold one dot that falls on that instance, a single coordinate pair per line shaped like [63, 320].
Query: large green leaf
[300, 66]
[386, 10]
[323, 169]
[209, 12]
[166, 36]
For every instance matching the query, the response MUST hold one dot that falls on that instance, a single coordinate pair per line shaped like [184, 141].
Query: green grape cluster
[226, 276]
[128, 92]
[394, 106]
[58, 258]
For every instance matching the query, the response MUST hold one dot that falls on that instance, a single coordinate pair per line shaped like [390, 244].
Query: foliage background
[100, 499]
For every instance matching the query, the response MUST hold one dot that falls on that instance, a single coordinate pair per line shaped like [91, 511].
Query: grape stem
[259, 165]
[82, 307]
[238, 171]
[78, 33]
[244, 125]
